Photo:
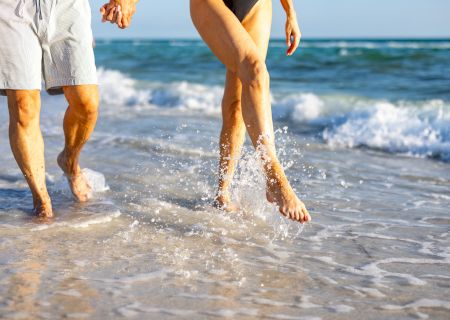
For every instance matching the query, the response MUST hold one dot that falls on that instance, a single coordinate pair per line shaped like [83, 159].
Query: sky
[317, 18]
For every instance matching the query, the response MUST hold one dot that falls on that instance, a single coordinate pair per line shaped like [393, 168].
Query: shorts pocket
[20, 8]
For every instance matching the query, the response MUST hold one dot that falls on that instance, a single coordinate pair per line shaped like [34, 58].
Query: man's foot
[281, 194]
[77, 181]
[43, 209]
[223, 202]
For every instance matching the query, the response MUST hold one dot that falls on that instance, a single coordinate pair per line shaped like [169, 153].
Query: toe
[283, 211]
[306, 216]
[291, 215]
[297, 215]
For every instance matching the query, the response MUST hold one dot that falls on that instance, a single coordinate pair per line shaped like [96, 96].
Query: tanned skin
[27, 143]
[242, 48]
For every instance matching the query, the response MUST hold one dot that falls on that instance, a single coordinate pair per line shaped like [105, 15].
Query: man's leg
[28, 146]
[79, 122]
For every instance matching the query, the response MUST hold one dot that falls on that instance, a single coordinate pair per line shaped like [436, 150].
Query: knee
[85, 105]
[24, 109]
[253, 72]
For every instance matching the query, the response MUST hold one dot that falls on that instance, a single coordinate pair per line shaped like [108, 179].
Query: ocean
[363, 130]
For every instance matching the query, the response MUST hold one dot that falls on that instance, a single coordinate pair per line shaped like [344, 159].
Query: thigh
[223, 32]
[258, 24]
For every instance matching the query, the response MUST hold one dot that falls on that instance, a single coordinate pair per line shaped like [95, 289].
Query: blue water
[363, 131]
[391, 69]
[390, 95]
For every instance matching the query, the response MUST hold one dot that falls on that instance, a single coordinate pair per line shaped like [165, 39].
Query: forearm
[118, 2]
[288, 6]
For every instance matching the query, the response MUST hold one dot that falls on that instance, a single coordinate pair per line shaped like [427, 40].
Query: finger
[108, 7]
[288, 38]
[103, 12]
[116, 15]
[125, 23]
[119, 19]
[114, 19]
[296, 42]
[111, 14]
[291, 46]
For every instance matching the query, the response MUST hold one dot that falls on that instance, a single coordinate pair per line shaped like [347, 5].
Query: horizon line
[371, 38]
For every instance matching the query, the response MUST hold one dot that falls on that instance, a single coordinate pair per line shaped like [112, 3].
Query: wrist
[291, 14]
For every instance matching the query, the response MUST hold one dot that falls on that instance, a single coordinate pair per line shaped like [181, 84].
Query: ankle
[69, 161]
[222, 195]
[277, 181]
[42, 200]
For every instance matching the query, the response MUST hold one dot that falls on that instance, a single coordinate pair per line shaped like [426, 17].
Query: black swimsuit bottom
[240, 8]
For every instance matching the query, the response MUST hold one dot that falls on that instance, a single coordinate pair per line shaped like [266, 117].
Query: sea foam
[417, 128]
[412, 128]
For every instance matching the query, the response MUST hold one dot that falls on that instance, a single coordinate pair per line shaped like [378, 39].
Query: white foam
[395, 129]
[418, 304]
[142, 277]
[341, 308]
[302, 106]
[370, 45]
[414, 128]
[96, 180]
[291, 317]
[189, 96]
[80, 222]
[119, 90]
[116, 89]
[379, 275]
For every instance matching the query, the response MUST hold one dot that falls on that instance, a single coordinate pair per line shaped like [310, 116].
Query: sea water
[363, 130]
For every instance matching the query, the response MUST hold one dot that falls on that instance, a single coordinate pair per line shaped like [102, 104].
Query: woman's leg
[232, 137]
[234, 46]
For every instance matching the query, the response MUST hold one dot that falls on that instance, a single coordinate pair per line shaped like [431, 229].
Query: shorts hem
[6, 85]
[56, 86]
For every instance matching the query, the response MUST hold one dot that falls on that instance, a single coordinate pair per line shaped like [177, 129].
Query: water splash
[248, 188]
[96, 180]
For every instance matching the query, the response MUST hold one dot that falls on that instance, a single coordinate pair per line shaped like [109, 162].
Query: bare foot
[43, 210]
[223, 202]
[281, 194]
[77, 181]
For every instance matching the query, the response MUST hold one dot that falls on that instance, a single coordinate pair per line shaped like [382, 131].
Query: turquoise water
[388, 94]
[363, 130]
[390, 69]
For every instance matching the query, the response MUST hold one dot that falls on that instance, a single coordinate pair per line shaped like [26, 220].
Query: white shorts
[45, 40]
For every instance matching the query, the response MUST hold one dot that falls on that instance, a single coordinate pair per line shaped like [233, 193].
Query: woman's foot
[78, 183]
[280, 193]
[223, 202]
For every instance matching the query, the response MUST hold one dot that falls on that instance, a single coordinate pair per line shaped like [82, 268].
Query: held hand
[293, 34]
[119, 12]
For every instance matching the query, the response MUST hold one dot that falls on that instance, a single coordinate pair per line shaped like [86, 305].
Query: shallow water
[149, 245]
